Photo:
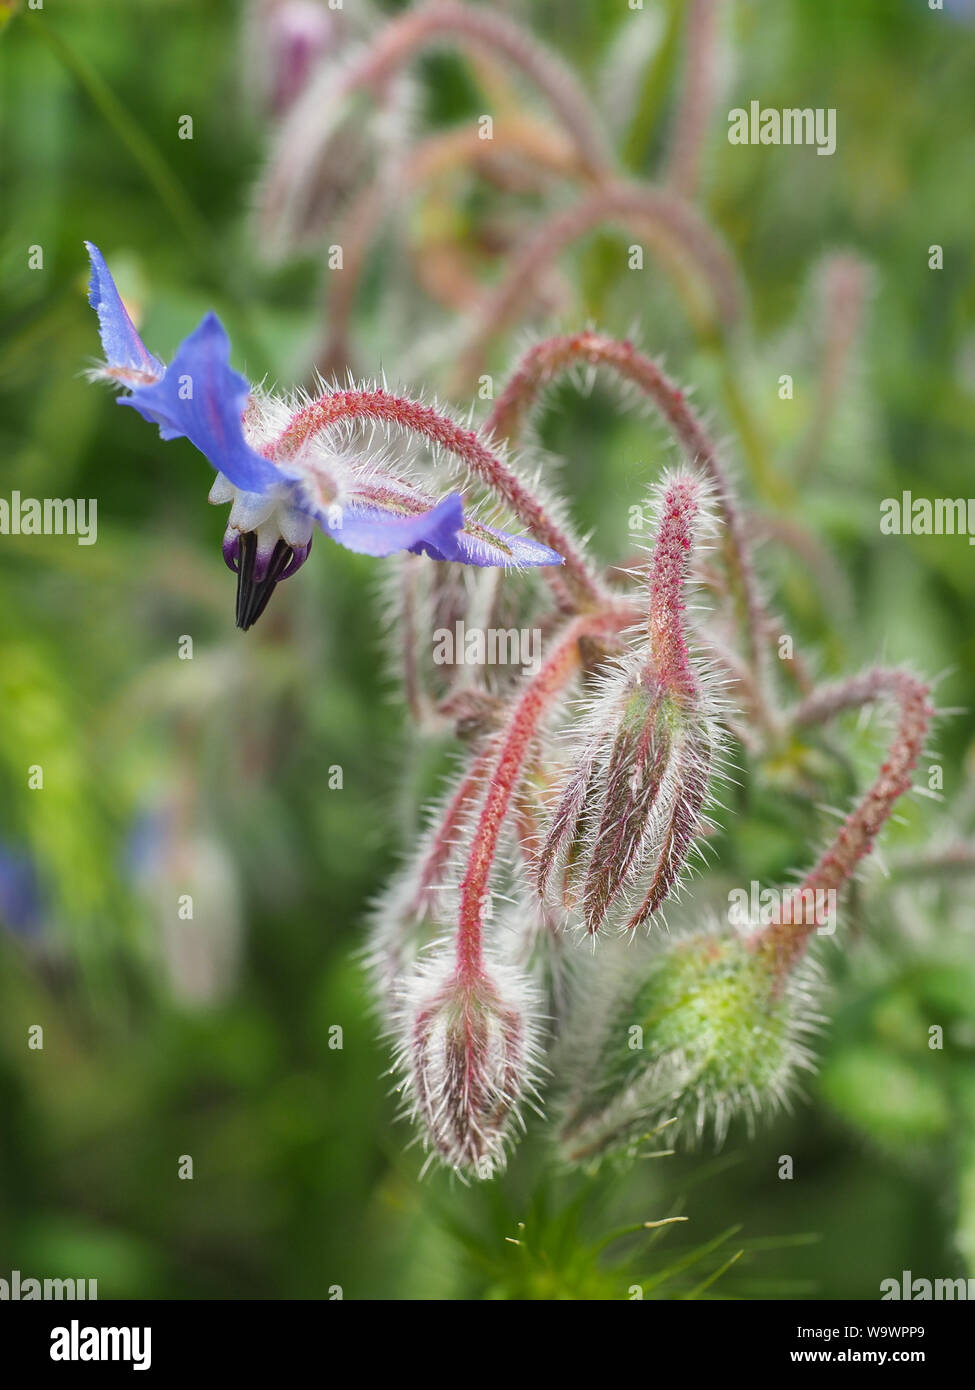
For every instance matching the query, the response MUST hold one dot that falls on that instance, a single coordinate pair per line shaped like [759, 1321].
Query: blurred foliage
[215, 1038]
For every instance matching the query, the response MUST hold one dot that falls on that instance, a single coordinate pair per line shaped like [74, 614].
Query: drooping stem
[666, 219]
[511, 750]
[465, 445]
[696, 98]
[441, 153]
[551, 358]
[443, 20]
[800, 914]
[844, 288]
[443, 840]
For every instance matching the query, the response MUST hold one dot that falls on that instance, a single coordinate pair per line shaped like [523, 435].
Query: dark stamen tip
[253, 593]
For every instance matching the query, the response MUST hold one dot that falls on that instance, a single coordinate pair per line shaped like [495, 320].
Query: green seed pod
[708, 1034]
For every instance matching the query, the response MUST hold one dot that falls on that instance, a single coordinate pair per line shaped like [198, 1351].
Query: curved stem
[662, 214]
[786, 939]
[511, 750]
[409, 34]
[696, 99]
[549, 359]
[443, 432]
[439, 154]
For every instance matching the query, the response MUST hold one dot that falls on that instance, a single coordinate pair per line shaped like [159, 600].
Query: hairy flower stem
[786, 940]
[444, 433]
[445, 837]
[667, 220]
[551, 358]
[696, 98]
[668, 576]
[562, 663]
[481, 28]
[845, 290]
[439, 155]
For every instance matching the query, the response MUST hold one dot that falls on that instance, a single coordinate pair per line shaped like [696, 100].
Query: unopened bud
[466, 1047]
[631, 810]
[708, 1034]
[287, 39]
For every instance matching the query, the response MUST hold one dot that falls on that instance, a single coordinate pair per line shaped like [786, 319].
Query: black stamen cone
[253, 594]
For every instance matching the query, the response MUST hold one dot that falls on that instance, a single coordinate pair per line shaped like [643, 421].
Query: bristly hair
[723, 1044]
[644, 760]
[467, 1058]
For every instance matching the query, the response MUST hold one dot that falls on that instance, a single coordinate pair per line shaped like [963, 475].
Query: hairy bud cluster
[570, 821]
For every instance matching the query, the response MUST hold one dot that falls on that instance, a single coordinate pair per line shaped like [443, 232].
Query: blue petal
[484, 546]
[122, 345]
[373, 531]
[438, 533]
[21, 905]
[202, 397]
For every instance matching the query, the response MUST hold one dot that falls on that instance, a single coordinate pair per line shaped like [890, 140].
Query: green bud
[709, 1033]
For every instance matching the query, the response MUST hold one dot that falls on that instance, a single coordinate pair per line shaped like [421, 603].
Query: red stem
[668, 576]
[444, 838]
[690, 124]
[551, 358]
[402, 38]
[856, 836]
[444, 433]
[513, 746]
[664, 216]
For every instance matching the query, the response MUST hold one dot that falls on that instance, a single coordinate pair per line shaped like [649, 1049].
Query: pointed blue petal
[373, 531]
[202, 397]
[121, 343]
[484, 546]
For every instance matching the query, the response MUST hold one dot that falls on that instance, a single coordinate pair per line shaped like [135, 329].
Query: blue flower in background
[21, 903]
[277, 503]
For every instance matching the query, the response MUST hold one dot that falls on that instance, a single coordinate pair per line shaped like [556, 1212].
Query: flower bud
[466, 1047]
[630, 812]
[286, 39]
[708, 1034]
[199, 944]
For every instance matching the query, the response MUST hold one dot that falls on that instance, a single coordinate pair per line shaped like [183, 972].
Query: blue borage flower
[276, 505]
[21, 900]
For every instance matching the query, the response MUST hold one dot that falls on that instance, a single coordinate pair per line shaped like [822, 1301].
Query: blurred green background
[215, 1038]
